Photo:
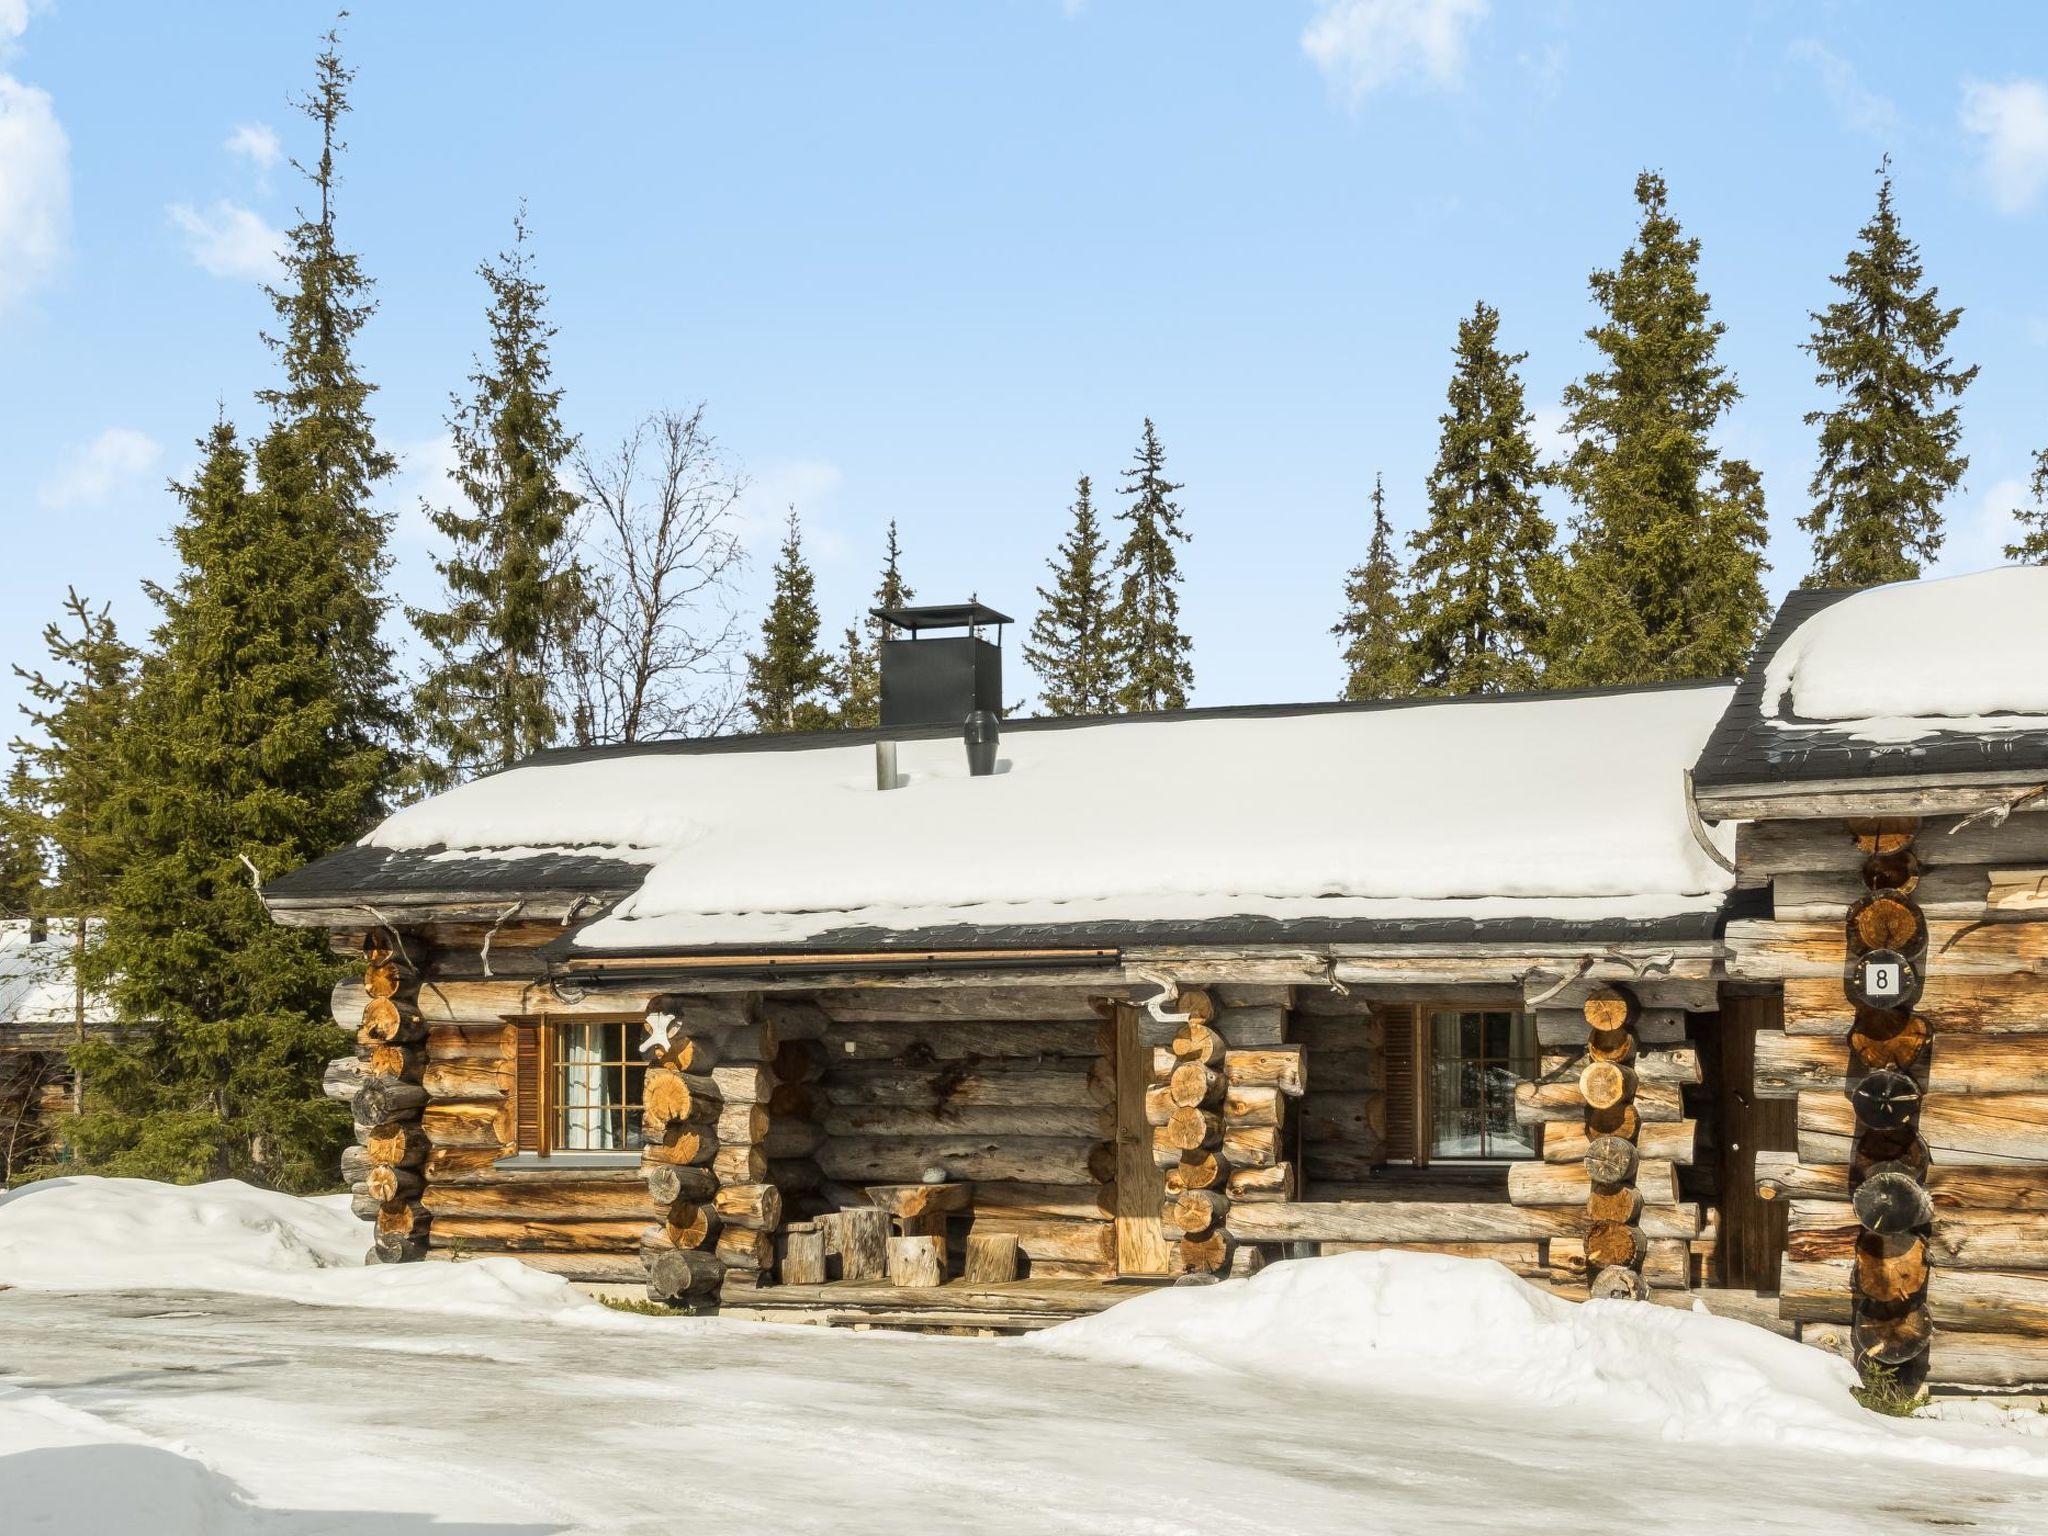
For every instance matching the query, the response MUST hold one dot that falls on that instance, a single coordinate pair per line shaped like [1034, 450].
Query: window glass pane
[597, 1078]
[1478, 1056]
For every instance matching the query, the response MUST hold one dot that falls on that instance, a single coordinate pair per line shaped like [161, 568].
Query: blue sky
[932, 261]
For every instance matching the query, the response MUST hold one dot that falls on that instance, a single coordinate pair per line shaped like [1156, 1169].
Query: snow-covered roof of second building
[35, 977]
[1566, 807]
[1897, 662]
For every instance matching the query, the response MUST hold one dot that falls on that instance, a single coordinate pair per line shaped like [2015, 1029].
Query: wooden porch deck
[1015, 1306]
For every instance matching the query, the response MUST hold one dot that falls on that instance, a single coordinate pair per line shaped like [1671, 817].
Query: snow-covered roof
[1568, 808]
[1900, 662]
[35, 978]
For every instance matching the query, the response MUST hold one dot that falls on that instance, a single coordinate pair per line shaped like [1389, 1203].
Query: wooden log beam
[1432, 1221]
[1567, 1184]
[1539, 1103]
[2018, 1188]
[1987, 1129]
[1787, 1065]
[1969, 1300]
[1671, 1141]
[1829, 1229]
[1765, 950]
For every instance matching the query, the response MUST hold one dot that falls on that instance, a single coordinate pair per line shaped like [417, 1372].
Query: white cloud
[426, 473]
[35, 181]
[1855, 105]
[257, 143]
[229, 240]
[2012, 120]
[1361, 45]
[92, 473]
[13, 19]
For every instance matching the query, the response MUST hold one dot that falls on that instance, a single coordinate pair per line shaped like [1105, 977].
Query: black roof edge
[798, 741]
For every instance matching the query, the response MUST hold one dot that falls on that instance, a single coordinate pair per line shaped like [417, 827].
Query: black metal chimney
[940, 679]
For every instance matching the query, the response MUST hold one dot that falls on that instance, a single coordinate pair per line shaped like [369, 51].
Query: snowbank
[1426, 1326]
[91, 1234]
[1570, 807]
[1965, 652]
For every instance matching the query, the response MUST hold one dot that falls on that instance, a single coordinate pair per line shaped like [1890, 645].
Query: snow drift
[93, 1234]
[1964, 652]
[1392, 1325]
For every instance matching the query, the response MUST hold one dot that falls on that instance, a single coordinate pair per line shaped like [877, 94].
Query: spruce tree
[859, 669]
[1888, 449]
[1153, 669]
[1377, 658]
[514, 594]
[260, 738]
[65, 777]
[320, 462]
[1665, 580]
[1070, 646]
[2032, 548]
[1473, 615]
[242, 757]
[21, 845]
[790, 682]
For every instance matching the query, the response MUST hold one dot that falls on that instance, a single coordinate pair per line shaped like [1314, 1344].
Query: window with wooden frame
[1450, 1081]
[578, 1084]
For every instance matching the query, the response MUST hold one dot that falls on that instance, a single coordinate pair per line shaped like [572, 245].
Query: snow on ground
[1372, 1393]
[131, 1234]
[1891, 663]
[1399, 812]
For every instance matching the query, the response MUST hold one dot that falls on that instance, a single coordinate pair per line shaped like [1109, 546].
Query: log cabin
[43, 1014]
[1695, 993]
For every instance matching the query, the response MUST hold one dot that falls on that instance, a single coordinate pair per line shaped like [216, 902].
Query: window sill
[569, 1160]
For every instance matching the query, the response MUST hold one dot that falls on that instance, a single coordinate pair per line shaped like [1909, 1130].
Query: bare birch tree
[657, 654]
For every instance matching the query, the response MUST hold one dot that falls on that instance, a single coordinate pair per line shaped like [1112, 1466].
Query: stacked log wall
[1007, 1087]
[1971, 1045]
[1342, 1127]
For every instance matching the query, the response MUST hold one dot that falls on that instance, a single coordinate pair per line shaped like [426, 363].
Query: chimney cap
[941, 616]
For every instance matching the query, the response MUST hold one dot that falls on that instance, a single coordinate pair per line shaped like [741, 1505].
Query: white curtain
[586, 1098]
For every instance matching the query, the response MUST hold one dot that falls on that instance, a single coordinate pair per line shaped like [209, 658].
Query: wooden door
[1140, 1190]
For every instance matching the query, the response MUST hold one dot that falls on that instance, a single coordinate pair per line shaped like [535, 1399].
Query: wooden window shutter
[528, 1112]
[1403, 1075]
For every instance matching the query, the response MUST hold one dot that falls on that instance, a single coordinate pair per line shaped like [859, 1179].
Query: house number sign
[1886, 976]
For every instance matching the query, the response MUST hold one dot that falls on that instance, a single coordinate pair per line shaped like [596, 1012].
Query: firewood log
[1623, 1205]
[1251, 1146]
[1159, 1105]
[1874, 1150]
[1884, 921]
[361, 1203]
[687, 1224]
[1891, 1267]
[1610, 1160]
[682, 1275]
[756, 1041]
[1883, 1037]
[1163, 1063]
[387, 1101]
[1883, 834]
[1892, 1199]
[1618, 1283]
[398, 1248]
[1616, 1045]
[1202, 1168]
[740, 1165]
[758, 1206]
[1190, 1128]
[1102, 1162]
[796, 1101]
[387, 1184]
[680, 1145]
[1194, 1085]
[1101, 1082]
[1196, 1003]
[343, 1077]
[397, 1146]
[1284, 1067]
[1897, 871]
[787, 1138]
[1886, 1100]
[1606, 1084]
[668, 1183]
[744, 1083]
[678, 1098]
[917, 1262]
[1612, 1243]
[863, 1235]
[799, 1061]
[382, 979]
[742, 1124]
[1624, 1120]
[1610, 1008]
[1274, 1183]
[1893, 1336]
[991, 1258]
[393, 1061]
[355, 1164]
[405, 1219]
[803, 1254]
[744, 1248]
[1195, 1211]
[389, 1022]
[1198, 1045]
[1206, 1255]
[1251, 1106]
